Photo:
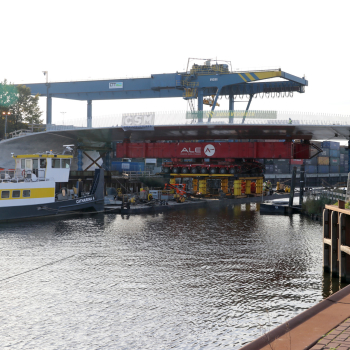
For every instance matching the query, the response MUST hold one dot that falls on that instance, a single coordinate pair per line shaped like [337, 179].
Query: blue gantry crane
[204, 82]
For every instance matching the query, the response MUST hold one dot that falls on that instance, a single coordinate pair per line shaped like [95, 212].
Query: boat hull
[69, 207]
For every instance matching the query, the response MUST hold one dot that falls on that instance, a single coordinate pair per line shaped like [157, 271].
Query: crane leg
[245, 113]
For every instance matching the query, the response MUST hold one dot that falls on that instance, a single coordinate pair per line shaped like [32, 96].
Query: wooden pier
[336, 241]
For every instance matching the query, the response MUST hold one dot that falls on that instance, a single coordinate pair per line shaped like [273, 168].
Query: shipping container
[325, 153]
[323, 160]
[281, 161]
[282, 171]
[312, 161]
[127, 166]
[331, 145]
[334, 153]
[333, 161]
[343, 149]
[323, 169]
[334, 168]
[268, 161]
[342, 169]
[269, 169]
[335, 145]
[297, 161]
[311, 169]
[261, 160]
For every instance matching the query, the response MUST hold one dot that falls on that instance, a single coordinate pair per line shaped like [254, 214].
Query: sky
[78, 40]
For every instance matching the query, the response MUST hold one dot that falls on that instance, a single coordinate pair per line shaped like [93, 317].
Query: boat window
[16, 194]
[35, 163]
[26, 193]
[28, 164]
[66, 163]
[5, 194]
[23, 163]
[56, 163]
[42, 163]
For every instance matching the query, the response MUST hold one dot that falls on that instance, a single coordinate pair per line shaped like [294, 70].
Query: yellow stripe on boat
[34, 193]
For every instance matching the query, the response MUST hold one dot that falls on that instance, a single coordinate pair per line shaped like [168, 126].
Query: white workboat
[37, 187]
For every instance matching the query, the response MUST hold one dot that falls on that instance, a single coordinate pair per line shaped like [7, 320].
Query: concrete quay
[324, 326]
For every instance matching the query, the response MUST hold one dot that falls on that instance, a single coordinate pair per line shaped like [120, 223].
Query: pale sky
[78, 40]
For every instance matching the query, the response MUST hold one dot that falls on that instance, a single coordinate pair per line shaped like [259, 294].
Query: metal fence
[216, 117]
[326, 193]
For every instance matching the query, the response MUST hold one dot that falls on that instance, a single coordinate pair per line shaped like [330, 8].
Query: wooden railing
[336, 241]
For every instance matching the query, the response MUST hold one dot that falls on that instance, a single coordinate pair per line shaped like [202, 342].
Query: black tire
[204, 171]
[233, 171]
[213, 171]
[223, 171]
[166, 170]
[175, 170]
[194, 170]
[184, 170]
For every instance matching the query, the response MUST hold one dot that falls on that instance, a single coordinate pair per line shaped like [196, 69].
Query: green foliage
[8, 95]
[23, 108]
[316, 206]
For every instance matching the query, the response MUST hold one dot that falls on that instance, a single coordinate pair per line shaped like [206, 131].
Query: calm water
[195, 279]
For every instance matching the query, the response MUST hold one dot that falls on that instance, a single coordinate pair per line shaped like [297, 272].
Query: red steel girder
[221, 150]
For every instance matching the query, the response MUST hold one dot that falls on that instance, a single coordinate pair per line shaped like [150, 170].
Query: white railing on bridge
[217, 117]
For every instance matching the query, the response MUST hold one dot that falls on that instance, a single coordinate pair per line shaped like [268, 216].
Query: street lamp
[5, 114]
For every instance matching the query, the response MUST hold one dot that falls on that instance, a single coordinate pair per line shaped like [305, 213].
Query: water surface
[194, 279]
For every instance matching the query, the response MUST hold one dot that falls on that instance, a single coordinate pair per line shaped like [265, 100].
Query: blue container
[326, 144]
[325, 153]
[334, 168]
[128, 166]
[334, 153]
[311, 169]
[312, 161]
[342, 169]
[335, 145]
[323, 169]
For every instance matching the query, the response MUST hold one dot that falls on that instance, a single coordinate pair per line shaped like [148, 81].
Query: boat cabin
[51, 166]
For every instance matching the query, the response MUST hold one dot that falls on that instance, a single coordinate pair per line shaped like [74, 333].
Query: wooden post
[334, 244]
[341, 241]
[326, 241]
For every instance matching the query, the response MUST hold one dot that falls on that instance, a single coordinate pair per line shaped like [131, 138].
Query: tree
[24, 109]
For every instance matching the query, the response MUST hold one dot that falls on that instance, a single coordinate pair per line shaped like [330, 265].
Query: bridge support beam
[231, 108]
[48, 109]
[89, 114]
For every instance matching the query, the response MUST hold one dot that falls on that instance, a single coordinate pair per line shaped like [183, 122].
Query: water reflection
[206, 278]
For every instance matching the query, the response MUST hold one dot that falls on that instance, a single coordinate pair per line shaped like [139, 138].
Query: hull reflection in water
[208, 278]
